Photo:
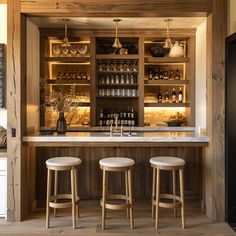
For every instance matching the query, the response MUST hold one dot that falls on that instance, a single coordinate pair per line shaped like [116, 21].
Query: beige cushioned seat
[63, 161]
[116, 162]
[167, 161]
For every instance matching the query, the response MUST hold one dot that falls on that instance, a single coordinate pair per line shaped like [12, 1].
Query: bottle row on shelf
[107, 117]
[166, 74]
[118, 79]
[166, 97]
[118, 92]
[69, 75]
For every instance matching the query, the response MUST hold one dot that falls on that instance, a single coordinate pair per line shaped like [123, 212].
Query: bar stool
[62, 164]
[117, 164]
[173, 164]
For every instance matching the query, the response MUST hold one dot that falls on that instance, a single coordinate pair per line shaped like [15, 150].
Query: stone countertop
[103, 138]
[143, 129]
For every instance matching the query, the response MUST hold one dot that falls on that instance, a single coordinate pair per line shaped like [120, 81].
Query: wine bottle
[166, 74]
[132, 117]
[156, 76]
[177, 75]
[159, 97]
[173, 95]
[180, 95]
[150, 73]
[167, 97]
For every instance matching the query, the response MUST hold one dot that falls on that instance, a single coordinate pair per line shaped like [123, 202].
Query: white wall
[201, 75]
[3, 39]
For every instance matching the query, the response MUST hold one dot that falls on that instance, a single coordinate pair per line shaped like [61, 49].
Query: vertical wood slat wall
[214, 159]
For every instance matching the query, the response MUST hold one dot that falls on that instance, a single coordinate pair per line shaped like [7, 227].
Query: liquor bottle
[121, 118]
[159, 97]
[173, 95]
[132, 117]
[64, 76]
[129, 122]
[156, 76]
[150, 73]
[180, 95]
[177, 75]
[74, 75]
[79, 76]
[125, 118]
[166, 74]
[101, 116]
[172, 75]
[69, 75]
[84, 76]
[59, 76]
[161, 75]
[167, 97]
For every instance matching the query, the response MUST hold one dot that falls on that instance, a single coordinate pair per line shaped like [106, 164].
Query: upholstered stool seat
[55, 165]
[172, 164]
[117, 164]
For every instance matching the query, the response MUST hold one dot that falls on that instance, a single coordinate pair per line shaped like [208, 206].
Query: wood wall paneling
[16, 81]
[118, 8]
[215, 162]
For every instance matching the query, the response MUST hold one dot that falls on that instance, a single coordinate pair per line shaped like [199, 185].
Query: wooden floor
[117, 224]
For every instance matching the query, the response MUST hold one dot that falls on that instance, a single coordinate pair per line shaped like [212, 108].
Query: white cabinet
[3, 186]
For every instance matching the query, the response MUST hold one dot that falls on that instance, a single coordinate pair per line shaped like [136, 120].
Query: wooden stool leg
[181, 180]
[174, 190]
[55, 189]
[49, 181]
[130, 199]
[72, 174]
[157, 196]
[153, 191]
[76, 192]
[103, 197]
[127, 191]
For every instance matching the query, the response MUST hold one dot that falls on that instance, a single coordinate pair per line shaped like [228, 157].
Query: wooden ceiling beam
[138, 8]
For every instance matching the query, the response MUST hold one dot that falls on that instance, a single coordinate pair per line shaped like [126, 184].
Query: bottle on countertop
[173, 95]
[180, 95]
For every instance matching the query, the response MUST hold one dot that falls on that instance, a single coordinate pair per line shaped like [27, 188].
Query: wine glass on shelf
[73, 50]
[56, 49]
[82, 50]
[65, 50]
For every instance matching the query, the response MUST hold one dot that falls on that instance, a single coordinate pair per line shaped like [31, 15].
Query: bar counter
[171, 138]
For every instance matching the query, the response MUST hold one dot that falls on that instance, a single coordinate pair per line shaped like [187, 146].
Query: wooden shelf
[116, 72]
[68, 82]
[116, 97]
[68, 59]
[117, 56]
[118, 85]
[150, 59]
[164, 82]
[155, 104]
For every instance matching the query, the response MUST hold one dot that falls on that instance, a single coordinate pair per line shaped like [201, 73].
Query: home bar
[132, 88]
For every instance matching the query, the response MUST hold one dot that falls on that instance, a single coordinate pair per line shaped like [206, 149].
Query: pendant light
[168, 42]
[65, 42]
[117, 43]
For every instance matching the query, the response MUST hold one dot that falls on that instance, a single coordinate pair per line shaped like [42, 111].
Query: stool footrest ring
[62, 204]
[116, 206]
[168, 204]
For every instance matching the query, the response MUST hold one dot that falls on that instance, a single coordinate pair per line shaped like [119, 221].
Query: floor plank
[116, 223]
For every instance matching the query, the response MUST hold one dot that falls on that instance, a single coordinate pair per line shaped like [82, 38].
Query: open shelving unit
[108, 85]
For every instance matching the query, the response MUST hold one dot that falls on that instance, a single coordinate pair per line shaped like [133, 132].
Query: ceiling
[100, 22]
